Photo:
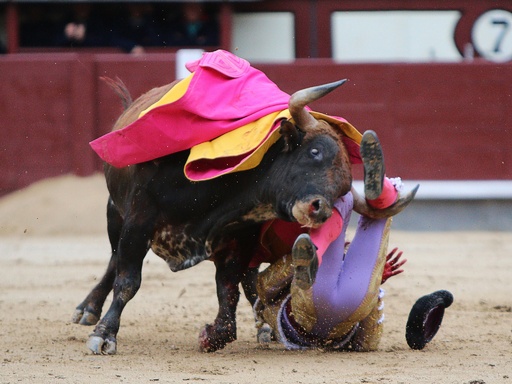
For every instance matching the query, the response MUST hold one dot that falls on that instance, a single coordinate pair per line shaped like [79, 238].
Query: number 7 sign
[492, 35]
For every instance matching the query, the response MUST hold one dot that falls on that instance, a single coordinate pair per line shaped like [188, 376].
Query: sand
[54, 247]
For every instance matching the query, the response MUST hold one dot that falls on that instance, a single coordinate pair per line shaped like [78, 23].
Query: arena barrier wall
[437, 121]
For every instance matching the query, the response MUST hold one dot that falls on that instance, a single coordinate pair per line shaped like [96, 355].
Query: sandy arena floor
[53, 247]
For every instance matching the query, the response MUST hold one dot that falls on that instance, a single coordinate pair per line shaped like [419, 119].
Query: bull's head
[325, 162]
[317, 167]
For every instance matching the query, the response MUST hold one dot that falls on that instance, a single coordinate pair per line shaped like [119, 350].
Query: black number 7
[504, 29]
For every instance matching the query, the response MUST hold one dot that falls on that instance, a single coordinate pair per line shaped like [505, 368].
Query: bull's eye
[315, 153]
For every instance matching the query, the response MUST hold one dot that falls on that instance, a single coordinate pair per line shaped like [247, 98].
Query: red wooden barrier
[435, 121]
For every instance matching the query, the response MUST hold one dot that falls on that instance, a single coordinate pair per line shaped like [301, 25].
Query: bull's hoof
[84, 318]
[100, 346]
[264, 335]
[77, 316]
[211, 340]
[425, 318]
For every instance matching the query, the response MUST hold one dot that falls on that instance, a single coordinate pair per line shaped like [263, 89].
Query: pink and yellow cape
[225, 112]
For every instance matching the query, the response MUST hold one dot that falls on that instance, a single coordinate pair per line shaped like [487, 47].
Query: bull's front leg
[223, 330]
[249, 281]
[231, 264]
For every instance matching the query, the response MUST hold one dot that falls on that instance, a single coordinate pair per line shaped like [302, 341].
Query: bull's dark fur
[153, 205]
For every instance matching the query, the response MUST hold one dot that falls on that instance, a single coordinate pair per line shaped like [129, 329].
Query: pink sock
[387, 197]
[323, 236]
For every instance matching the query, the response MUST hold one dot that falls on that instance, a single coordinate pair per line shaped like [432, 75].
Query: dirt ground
[54, 247]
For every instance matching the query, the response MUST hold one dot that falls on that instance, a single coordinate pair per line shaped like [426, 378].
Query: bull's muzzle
[312, 211]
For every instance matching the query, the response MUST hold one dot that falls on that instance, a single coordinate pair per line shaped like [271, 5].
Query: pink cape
[225, 93]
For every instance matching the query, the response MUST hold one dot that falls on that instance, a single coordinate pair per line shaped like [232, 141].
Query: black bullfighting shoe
[305, 261]
[425, 318]
[373, 162]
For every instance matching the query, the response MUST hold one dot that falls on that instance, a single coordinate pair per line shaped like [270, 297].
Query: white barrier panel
[457, 190]
[183, 56]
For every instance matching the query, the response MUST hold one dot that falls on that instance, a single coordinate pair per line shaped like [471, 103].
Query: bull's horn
[362, 207]
[300, 99]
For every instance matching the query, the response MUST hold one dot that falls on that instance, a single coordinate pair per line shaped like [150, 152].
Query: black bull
[153, 205]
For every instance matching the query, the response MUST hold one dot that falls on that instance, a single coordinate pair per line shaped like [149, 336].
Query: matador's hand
[393, 264]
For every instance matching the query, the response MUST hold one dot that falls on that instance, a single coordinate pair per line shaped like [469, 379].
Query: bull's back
[120, 180]
[140, 104]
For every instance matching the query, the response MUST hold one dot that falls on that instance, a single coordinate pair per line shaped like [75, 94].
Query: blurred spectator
[83, 28]
[129, 26]
[136, 29]
[195, 27]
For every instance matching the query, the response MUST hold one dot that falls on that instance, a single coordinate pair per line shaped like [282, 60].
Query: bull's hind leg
[88, 312]
[133, 246]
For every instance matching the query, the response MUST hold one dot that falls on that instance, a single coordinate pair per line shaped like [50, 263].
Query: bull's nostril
[315, 205]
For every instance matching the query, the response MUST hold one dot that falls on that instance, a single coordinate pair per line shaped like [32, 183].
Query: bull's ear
[291, 134]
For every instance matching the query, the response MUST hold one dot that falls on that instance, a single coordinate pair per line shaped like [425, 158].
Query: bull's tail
[118, 86]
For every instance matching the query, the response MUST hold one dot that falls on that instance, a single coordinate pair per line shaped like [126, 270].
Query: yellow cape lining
[253, 137]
